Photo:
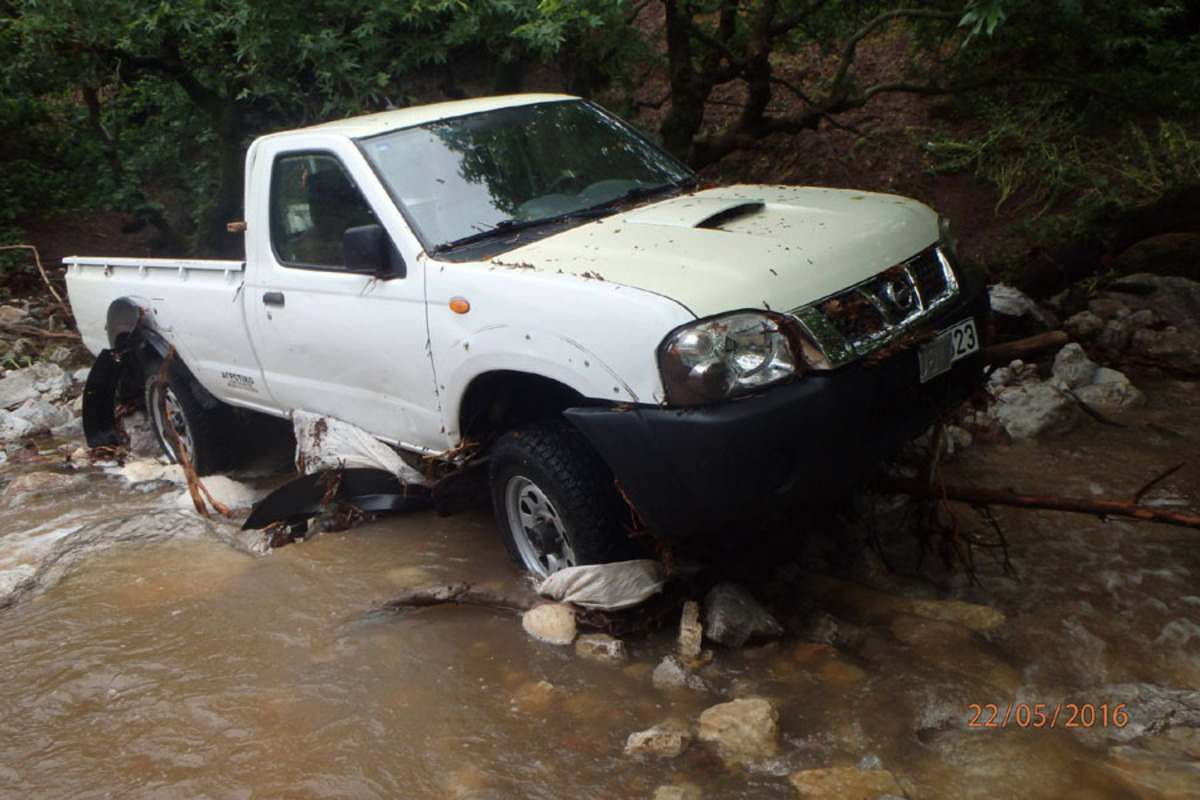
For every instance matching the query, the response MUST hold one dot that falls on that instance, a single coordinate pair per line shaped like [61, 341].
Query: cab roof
[386, 121]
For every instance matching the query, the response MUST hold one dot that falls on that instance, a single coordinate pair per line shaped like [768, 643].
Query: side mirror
[368, 249]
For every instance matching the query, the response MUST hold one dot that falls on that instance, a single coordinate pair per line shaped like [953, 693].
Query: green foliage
[1053, 172]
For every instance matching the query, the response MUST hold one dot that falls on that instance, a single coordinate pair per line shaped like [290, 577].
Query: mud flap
[99, 400]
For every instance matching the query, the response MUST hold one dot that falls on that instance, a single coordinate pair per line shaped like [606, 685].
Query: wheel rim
[536, 527]
[174, 418]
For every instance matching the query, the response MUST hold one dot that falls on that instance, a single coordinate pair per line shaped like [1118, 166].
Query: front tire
[554, 500]
[203, 432]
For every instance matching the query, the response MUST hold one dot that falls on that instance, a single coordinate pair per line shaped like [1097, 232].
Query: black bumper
[692, 471]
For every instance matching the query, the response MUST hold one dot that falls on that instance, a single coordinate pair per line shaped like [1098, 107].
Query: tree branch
[900, 13]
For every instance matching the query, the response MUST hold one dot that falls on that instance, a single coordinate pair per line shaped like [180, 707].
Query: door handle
[273, 299]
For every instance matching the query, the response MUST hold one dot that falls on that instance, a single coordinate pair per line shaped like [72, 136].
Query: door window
[313, 203]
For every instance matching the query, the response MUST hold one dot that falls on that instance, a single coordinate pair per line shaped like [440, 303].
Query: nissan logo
[900, 294]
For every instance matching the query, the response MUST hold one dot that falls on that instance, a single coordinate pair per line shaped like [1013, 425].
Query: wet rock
[38, 484]
[666, 740]
[1108, 308]
[1025, 315]
[1084, 326]
[43, 415]
[1111, 389]
[226, 491]
[1165, 254]
[842, 783]
[553, 623]
[1146, 318]
[733, 617]
[534, 696]
[1173, 348]
[672, 674]
[1073, 367]
[1032, 409]
[13, 427]
[143, 441]
[81, 375]
[47, 380]
[1114, 337]
[679, 791]
[601, 647]
[72, 429]
[691, 632]
[61, 354]
[1151, 710]
[11, 315]
[145, 470]
[744, 731]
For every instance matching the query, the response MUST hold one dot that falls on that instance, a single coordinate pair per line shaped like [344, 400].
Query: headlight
[947, 240]
[724, 356]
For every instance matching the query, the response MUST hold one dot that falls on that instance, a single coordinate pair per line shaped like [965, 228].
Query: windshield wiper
[507, 226]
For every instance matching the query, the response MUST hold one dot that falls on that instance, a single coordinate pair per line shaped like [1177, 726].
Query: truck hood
[775, 247]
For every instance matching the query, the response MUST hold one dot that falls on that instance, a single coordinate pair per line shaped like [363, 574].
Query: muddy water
[185, 667]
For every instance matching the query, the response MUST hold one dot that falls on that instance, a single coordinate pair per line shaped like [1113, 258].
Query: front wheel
[178, 417]
[554, 500]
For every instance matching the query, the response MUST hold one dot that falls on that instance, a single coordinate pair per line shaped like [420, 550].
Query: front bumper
[692, 471]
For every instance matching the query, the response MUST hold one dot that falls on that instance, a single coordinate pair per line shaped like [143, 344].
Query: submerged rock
[744, 731]
[733, 617]
[672, 674]
[553, 623]
[38, 484]
[679, 791]
[534, 696]
[842, 783]
[665, 740]
[601, 647]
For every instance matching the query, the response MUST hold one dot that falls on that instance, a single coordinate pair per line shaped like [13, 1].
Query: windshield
[461, 179]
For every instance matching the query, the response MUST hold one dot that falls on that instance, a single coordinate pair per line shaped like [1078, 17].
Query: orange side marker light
[459, 305]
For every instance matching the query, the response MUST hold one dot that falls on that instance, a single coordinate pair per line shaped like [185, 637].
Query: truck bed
[195, 305]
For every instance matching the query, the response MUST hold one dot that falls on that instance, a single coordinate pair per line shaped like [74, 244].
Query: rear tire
[554, 500]
[205, 433]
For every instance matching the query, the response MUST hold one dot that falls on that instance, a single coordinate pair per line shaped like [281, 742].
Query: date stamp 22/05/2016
[1048, 715]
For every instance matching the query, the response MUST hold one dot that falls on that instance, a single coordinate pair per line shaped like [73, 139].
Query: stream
[153, 654]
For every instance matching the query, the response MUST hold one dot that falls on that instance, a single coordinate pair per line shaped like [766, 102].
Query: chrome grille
[854, 322]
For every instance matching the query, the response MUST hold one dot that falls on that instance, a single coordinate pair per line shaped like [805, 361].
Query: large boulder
[1166, 254]
[744, 731]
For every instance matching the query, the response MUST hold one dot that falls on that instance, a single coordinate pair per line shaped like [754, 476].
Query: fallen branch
[195, 486]
[651, 615]
[29, 330]
[1001, 354]
[37, 259]
[1078, 505]
[461, 594]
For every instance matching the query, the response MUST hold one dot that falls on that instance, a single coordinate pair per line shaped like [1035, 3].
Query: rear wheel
[554, 500]
[176, 415]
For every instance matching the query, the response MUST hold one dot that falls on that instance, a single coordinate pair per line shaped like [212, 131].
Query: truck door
[332, 341]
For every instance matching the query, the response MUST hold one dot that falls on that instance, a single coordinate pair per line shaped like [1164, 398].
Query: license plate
[957, 341]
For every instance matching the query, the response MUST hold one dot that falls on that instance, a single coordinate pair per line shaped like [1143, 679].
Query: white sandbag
[329, 443]
[608, 587]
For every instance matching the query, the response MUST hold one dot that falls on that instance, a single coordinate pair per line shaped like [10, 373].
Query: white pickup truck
[531, 276]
